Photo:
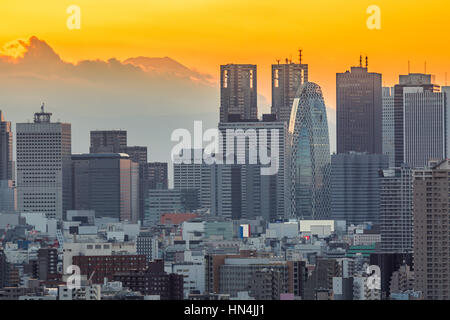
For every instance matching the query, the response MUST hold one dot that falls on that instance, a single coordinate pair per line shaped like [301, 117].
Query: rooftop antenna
[278, 61]
[360, 60]
[409, 67]
[425, 67]
[287, 60]
[300, 56]
[42, 107]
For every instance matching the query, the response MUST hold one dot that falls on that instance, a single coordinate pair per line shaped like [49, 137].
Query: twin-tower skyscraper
[299, 103]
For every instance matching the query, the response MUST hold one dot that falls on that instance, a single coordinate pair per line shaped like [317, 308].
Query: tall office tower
[431, 201]
[359, 111]
[424, 126]
[310, 154]
[43, 166]
[286, 79]
[157, 176]
[238, 91]
[195, 175]
[388, 124]
[106, 183]
[424, 81]
[396, 221]
[246, 187]
[108, 141]
[355, 186]
[6, 149]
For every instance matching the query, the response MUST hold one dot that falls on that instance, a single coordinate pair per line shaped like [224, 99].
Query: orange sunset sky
[202, 34]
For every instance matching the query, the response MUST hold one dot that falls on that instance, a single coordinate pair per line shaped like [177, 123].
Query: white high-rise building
[425, 125]
[43, 165]
[388, 124]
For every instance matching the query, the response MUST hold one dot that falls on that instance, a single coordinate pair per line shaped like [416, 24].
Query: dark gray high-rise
[238, 91]
[106, 183]
[355, 186]
[286, 79]
[6, 149]
[108, 141]
[359, 111]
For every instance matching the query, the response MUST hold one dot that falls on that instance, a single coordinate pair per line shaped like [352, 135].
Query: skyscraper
[431, 201]
[108, 141]
[359, 111]
[6, 149]
[425, 121]
[43, 166]
[424, 81]
[396, 220]
[106, 183]
[310, 154]
[156, 175]
[194, 176]
[238, 91]
[355, 186]
[388, 124]
[241, 189]
[286, 79]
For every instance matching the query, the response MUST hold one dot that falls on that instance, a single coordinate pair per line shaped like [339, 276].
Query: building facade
[388, 124]
[43, 166]
[238, 91]
[425, 125]
[424, 81]
[355, 185]
[286, 79]
[310, 154]
[107, 183]
[359, 111]
[431, 203]
[396, 220]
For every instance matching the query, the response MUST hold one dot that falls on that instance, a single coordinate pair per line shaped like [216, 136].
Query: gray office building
[425, 126]
[424, 81]
[160, 201]
[396, 220]
[286, 79]
[43, 166]
[6, 149]
[156, 175]
[243, 188]
[238, 91]
[388, 124]
[194, 175]
[355, 186]
[107, 183]
[359, 111]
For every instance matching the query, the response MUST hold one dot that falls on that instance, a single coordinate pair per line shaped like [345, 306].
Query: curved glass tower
[310, 154]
